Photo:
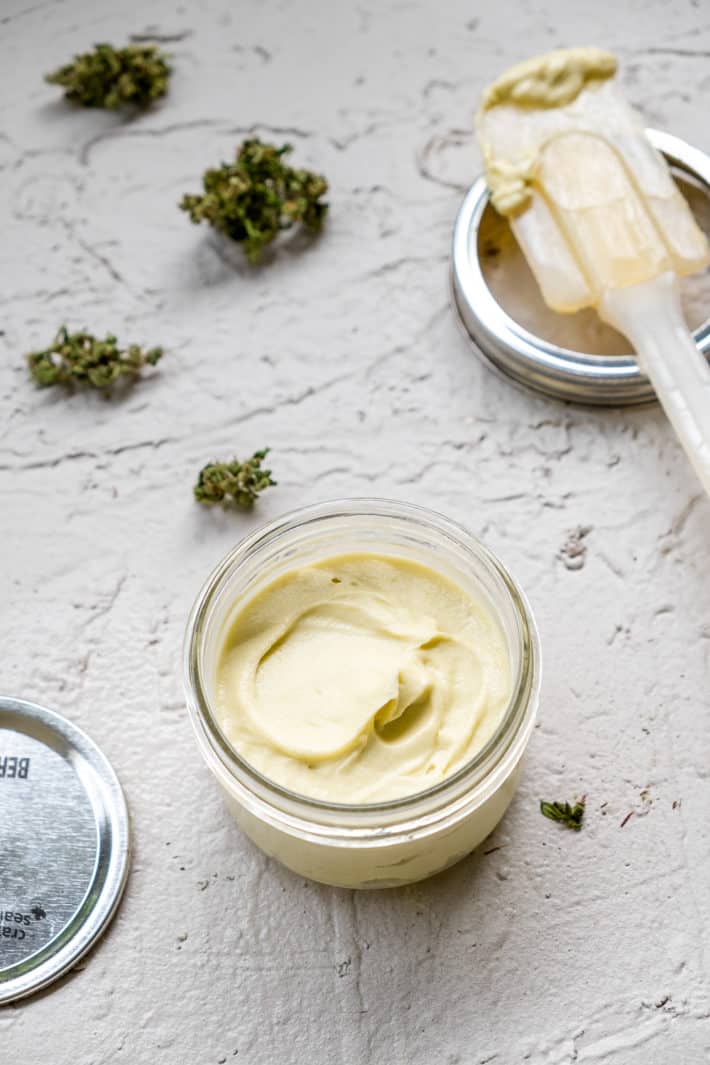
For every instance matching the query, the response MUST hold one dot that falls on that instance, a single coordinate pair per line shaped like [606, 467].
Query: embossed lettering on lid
[64, 846]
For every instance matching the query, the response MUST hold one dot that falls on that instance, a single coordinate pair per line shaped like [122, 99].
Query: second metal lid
[64, 846]
[539, 363]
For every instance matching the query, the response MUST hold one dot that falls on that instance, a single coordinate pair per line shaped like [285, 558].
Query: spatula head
[591, 202]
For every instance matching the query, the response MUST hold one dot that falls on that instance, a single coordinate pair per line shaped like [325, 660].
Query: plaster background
[346, 358]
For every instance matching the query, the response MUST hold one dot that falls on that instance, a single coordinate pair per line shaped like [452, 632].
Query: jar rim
[222, 756]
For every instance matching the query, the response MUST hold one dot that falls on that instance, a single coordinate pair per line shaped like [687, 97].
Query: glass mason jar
[382, 844]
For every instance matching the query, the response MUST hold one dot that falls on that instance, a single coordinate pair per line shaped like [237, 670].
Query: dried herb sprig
[114, 77]
[253, 199]
[238, 483]
[82, 359]
[566, 814]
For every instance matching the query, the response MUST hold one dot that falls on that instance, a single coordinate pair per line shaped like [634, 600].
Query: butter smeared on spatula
[599, 218]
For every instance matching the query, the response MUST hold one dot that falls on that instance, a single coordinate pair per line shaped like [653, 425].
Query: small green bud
[114, 77]
[563, 812]
[80, 358]
[253, 199]
[235, 482]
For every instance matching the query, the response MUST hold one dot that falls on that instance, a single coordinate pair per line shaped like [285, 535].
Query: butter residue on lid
[550, 80]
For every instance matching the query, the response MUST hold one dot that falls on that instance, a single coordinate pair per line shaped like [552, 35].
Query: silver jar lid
[543, 363]
[64, 846]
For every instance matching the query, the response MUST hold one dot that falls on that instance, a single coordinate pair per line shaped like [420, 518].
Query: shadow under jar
[378, 844]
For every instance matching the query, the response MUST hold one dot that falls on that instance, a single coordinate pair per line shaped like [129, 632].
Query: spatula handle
[650, 315]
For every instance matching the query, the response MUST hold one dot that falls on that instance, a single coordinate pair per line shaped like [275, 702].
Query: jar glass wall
[375, 844]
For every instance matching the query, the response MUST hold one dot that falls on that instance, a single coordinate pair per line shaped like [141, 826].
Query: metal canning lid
[64, 846]
[538, 363]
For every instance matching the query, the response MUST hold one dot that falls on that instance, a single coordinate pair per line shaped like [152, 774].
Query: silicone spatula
[599, 218]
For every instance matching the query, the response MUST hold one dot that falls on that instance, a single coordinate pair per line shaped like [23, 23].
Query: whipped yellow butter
[361, 678]
[550, 80]
[547, 81]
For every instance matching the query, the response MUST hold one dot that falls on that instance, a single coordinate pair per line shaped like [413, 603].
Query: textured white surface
[348, 361]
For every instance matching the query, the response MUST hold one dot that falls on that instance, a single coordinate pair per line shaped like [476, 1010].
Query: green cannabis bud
[233, 482]
[114, 77]
[564, 813]
[253, 199]
[80, 358]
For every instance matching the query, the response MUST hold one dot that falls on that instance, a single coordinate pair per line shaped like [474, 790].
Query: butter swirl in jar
[363, 679]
